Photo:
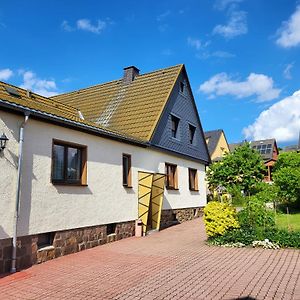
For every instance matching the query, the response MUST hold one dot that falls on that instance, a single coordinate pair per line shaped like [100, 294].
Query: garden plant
[255, 224]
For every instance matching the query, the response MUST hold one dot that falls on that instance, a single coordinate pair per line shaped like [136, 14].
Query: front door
[151, 192]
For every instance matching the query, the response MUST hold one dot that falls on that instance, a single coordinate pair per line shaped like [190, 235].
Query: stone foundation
[171, 217]
[62, 243]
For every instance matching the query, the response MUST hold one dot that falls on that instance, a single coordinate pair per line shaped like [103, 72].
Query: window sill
[127, 186]
[194, 190]
[69, 183]
[111, 234]
[172, 188]
[177, 140]
[192, 146]
[182, 94]
[45, 248]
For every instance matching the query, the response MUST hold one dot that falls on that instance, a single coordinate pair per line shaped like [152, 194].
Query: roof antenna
[80, 115]
[28, 93]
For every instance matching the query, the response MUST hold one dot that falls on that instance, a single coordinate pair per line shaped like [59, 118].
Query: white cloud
[203, 51]
[281, 121]
[163, 16]
[223, 4]
[217, 54]
[289, 32]
[258, 85]
[43, 87]
[195, 43]
[237, 25]
[287, 71]
[66, 27]
[86, 25]
[5, 74]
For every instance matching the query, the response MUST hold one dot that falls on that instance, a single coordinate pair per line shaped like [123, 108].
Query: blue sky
[242, 56]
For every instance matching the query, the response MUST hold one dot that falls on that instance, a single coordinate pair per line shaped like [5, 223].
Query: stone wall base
[62, 243]
[171, 217]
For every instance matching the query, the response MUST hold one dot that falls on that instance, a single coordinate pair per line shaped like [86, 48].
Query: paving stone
[172, 264]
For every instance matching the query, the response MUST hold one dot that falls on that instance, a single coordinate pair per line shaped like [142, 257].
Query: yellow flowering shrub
[219, 217]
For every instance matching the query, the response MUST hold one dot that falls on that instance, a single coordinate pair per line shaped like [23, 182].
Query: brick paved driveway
[172, 264]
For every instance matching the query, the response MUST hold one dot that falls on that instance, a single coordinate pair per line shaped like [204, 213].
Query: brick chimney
[130, 73]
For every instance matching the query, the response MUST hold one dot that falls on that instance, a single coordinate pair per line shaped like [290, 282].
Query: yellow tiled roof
[37, 102]
[49, 106]
[132, 109]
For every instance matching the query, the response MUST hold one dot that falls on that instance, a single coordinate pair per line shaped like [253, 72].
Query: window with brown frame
[174, 126]
[192, 130]
[171, 177]
[69, 163]
[193, 180]
[127, 170]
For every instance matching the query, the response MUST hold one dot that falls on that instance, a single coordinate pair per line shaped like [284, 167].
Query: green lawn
[290, 221]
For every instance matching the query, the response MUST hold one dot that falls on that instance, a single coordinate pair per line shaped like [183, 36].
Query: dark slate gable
[181, 105]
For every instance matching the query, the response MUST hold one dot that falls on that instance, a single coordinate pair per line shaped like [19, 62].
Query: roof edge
[74, 124]
[150, 135]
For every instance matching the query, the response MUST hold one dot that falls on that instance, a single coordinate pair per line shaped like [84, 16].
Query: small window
[45, 239]
[110, 228]
[69, 164]
[127, 170]
[171, 177]
[192, 130]
[13, 92]
[193, 180]
[181, 87]
[175, 123]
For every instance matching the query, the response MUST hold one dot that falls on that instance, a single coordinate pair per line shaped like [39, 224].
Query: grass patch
[289, 222]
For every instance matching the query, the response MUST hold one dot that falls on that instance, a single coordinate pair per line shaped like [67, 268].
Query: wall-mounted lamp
[3, 140]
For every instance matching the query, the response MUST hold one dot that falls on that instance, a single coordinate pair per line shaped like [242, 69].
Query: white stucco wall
[46, 207]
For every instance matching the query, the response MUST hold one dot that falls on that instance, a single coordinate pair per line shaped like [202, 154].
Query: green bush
[246, 236]
[240, 235]
[266, 192]
[255, 215]
[284, 238]
[219, 217]
[286, 177]
[238, 199]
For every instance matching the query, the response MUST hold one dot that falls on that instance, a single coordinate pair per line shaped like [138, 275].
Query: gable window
[171, 177]
[175, 124]
[181, 87]
[69, 164]
[192, 130]
[193, 180]
[127, 170]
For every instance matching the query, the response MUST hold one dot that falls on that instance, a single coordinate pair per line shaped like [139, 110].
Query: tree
[287, 159]
[243, 168]
[286, 177]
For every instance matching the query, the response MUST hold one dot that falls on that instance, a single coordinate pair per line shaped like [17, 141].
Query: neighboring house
[217, 144]
[96, 160]
[217, 147]
[268, 151]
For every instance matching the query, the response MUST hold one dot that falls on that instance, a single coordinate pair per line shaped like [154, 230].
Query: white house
[78, 169]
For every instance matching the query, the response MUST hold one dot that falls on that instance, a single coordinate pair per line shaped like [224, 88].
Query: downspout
[17, 202]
